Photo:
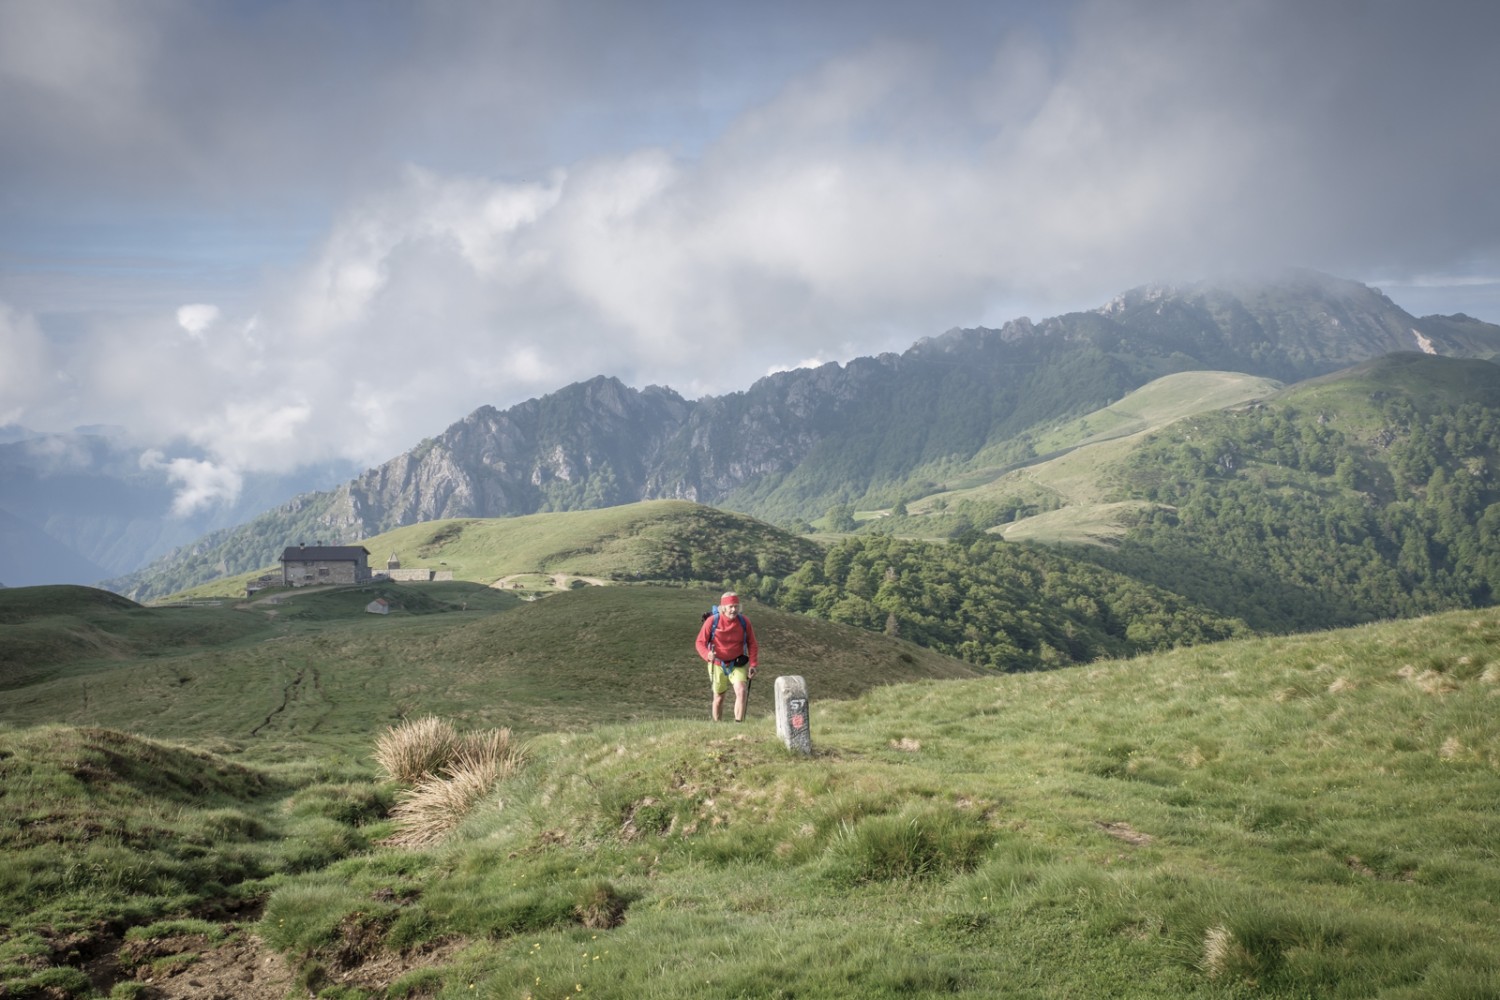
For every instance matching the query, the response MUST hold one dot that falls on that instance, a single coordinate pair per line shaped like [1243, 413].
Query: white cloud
[817, 361]
[201, 483]
[59, 453]
[26, 381]
[881, 193]
[197, 318]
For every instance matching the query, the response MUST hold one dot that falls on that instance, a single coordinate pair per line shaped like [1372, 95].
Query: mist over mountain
[80, 507]
[797, 441]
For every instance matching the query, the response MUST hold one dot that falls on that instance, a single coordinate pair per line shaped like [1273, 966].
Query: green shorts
[739, 675]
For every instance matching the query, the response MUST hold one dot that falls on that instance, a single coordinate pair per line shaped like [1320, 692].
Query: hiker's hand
[752, 672]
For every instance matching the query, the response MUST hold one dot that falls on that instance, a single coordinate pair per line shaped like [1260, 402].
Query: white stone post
[793, 714]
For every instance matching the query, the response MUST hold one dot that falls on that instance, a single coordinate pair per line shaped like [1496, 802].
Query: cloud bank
[538, 209]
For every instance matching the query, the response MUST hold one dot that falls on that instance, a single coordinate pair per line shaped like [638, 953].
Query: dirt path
[243, 968]
[238, 969]
[560, 581]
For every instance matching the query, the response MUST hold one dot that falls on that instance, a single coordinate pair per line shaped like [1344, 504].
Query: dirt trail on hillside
[239, 969]
[559, 580]
[243, 968]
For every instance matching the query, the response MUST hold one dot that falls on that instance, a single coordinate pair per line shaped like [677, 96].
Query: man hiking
[727, 642]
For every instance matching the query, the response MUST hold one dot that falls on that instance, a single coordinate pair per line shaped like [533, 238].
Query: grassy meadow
[1316, 816]
[543, 553]
[316, 669]
[1076, 454]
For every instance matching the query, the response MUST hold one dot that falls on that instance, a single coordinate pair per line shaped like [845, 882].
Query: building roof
[325, 553]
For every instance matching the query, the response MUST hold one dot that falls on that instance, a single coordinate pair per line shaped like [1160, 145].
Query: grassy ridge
[1292, 818]
[1301, 817]
[325, 672]
[653, 540]
[1073, 473]
[49, 627]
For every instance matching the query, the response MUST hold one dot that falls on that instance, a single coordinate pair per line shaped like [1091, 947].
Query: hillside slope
[1282, 819]
[657, 540]
[600, 654]
[1363, 495]
[1066, 495]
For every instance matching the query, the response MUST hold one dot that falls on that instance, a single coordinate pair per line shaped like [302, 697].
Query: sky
[284, 232]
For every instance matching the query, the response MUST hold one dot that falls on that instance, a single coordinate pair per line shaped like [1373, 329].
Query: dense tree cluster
[1282, 519]
[709, 544]
[1005, 607]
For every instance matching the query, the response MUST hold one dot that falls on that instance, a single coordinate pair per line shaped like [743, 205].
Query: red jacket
[730, 639]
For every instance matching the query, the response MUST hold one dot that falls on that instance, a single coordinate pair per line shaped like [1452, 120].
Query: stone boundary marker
[792, 714]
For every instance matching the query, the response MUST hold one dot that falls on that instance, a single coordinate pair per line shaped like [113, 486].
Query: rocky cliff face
[600, 442]
[796, 441]
[542, 454]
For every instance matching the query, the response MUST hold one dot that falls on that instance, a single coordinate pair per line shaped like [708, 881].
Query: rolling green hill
[1362, 496]
[1277, 818]
[317, 668]
[996, 609]
[657, 540]
[1067, 493]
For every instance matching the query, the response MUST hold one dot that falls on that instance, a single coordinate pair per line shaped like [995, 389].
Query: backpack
[745, 624]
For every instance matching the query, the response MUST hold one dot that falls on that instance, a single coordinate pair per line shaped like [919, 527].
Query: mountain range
[868, 433]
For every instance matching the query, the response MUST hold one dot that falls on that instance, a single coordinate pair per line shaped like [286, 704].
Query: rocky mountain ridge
[796, 441]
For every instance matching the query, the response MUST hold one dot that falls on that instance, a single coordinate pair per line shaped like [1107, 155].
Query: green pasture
[1300, 817]
[1071, 473]
[656, 540]
[316, 668]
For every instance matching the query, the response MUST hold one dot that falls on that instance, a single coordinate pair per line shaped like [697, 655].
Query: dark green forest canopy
[1297, 520]
[1006, 607]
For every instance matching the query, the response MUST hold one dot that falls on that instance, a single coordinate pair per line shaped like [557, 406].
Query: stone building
[303, 565]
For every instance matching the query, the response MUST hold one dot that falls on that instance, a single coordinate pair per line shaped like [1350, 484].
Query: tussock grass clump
[919, 844]
[1222, 954]
[415, 749]
[449, 775]
[601, 906]
[489, 745]
[426, 814]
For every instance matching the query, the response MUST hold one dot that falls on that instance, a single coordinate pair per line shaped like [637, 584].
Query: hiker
[727, 642]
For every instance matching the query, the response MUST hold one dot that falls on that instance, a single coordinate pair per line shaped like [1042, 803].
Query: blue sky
[285, 232]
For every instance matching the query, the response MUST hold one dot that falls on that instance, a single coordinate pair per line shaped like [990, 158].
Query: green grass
[324, 672]
[654, 540]
[1076, 524]
[1301, 817]
[101, 831]
[1157, 404]
[1073, 473]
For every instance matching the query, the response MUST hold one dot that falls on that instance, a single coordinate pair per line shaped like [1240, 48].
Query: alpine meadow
[1152, 652]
